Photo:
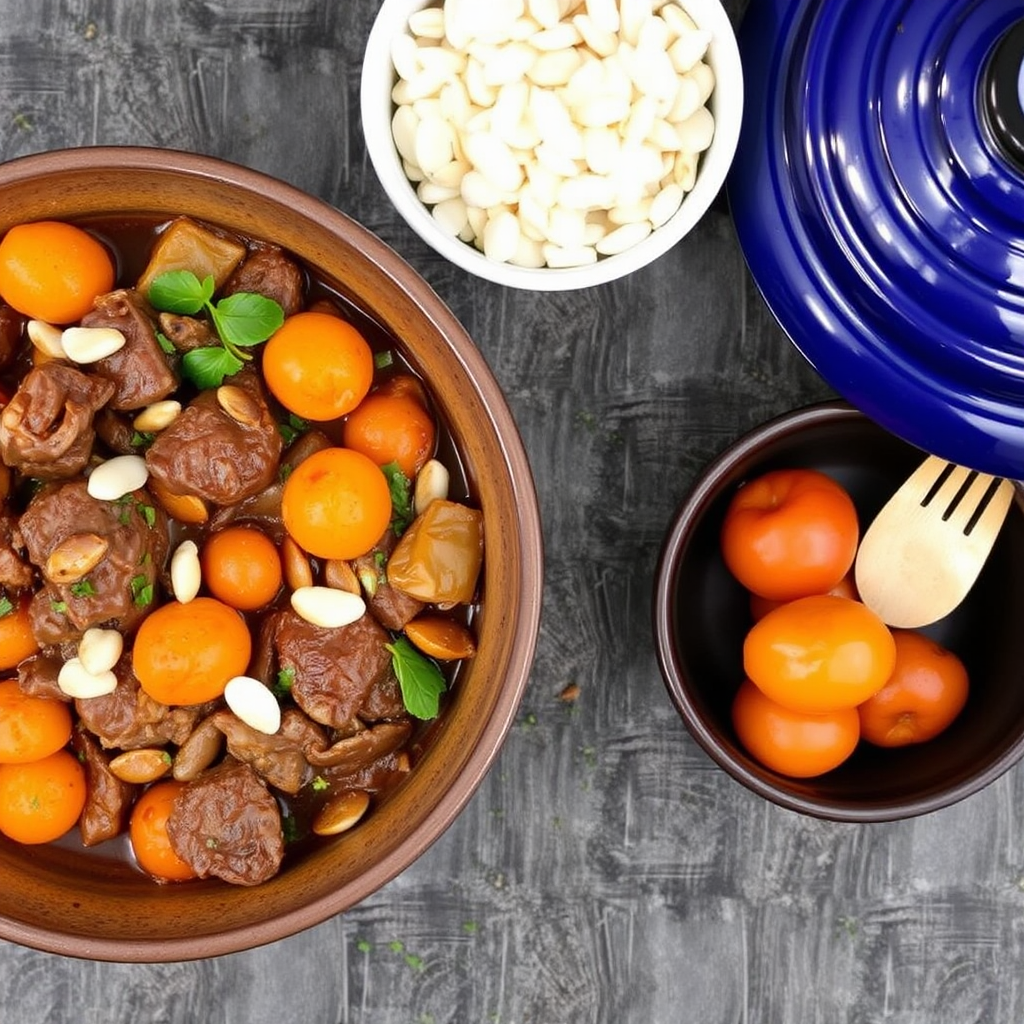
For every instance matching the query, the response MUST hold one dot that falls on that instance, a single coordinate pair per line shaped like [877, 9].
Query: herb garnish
[285, 678]
[59, 607]
[240, 320]
[419, 678]
[142, 439]
[292, 428]
[142, 591]
[83, 588]
[401, 497]
[6, 606]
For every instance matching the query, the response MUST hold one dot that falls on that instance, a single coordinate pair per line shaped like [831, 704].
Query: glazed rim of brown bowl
[62, 901]
[804, 795]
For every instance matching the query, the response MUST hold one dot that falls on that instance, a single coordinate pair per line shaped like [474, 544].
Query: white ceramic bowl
[725, 104]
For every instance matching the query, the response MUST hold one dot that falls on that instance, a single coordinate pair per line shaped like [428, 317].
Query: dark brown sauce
[130, 240]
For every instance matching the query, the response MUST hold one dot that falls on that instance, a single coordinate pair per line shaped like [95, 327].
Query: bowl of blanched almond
[552, 144]
[269, 558]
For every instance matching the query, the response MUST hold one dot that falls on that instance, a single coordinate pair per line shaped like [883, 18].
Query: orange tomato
[392, 425]
[336, 504]
[17, 640]
[41, 800]
[761, 606]
[819, 654]
[926, 691]
[147, 831]
[318, 366]
[790, 533]
[242, 567]
[53, 271]
[30, 727]
[186, 653]
[793, 743]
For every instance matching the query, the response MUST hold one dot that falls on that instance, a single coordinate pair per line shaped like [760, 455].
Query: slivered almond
[339, 575]
[341, 812]
[141, 766]
[239, 404]
[74, 557]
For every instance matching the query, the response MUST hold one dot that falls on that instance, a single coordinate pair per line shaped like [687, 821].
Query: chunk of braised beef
[334, 671]
[268, 272]
[209, 453]
[186, 333]
[376, 777]
[109, 800]
[227, 824]
[37, 677]
[15, 572]
[383, 702]
[46, 430]
[128, 718]
[11, 323]
[115, 430]
[139, 370]
[353, 753]
[118, 590]
[277, 759]
[390, 607]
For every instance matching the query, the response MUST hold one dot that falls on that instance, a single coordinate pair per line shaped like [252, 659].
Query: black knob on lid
[1003, 100]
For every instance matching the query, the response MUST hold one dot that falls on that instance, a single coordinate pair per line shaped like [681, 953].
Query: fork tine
[991, 519]
[946, 494]
[926, 476]
[966, 508]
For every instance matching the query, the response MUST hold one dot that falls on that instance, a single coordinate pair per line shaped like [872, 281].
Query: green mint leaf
[207, 367]
[6, 606]
[179, 291]
[245, 319]
[401, 497]
[420, 679]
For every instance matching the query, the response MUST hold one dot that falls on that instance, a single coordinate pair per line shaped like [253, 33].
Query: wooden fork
[924, 550]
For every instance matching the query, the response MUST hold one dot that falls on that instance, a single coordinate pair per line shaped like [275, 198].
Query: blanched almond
[341, 812]
[253, 703]
[330, 609]
[75, 682]
[117, 477]
[431, 483]
[99, 650]
[186, 571]
[91, 344]
[75, 557]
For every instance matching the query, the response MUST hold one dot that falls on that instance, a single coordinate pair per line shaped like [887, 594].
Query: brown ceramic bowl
[61, 899]
[701, 615]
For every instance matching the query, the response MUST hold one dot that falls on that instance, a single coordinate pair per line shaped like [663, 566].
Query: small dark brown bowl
[65, 900]
[701, 615]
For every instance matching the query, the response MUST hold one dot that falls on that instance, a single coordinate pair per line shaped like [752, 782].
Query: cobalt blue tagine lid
[878, 196]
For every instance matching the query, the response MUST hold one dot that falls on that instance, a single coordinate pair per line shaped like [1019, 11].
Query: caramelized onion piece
[438, 558]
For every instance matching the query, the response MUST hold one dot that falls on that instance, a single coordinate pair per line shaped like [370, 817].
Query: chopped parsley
[83, 588]
[142, 591]
[292, 428]
[59, 607]
[319, 784]
[142, 439]
[382, 360]
[283, 685]
[401, 497]
[165, 343]
[6, 605]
